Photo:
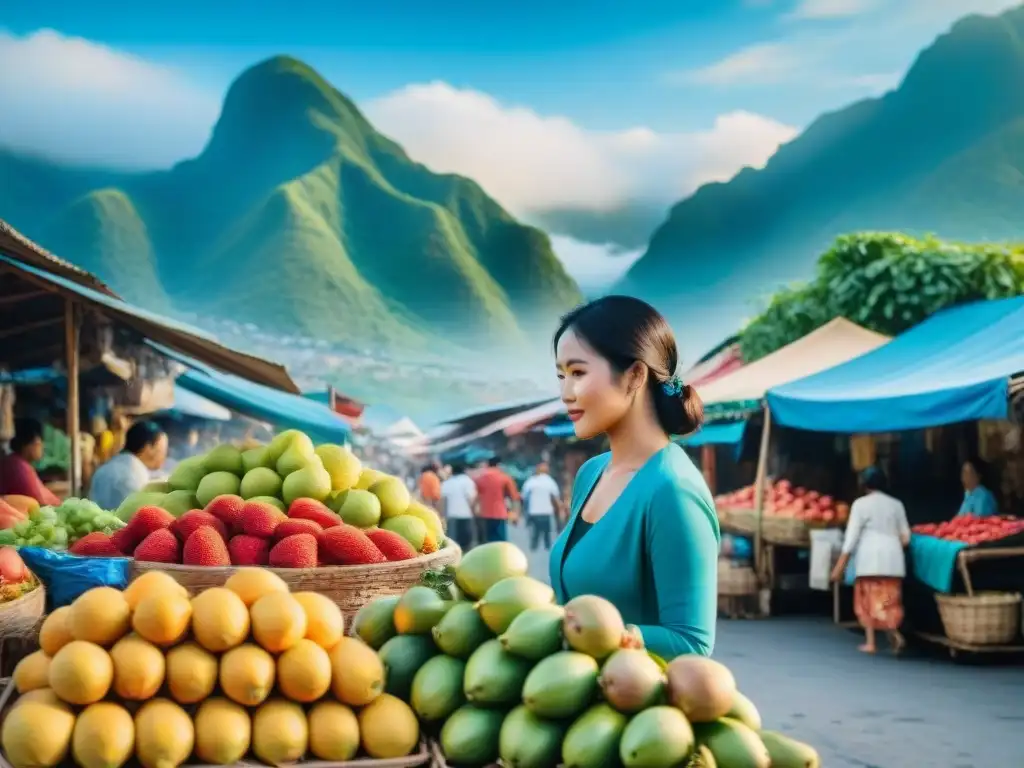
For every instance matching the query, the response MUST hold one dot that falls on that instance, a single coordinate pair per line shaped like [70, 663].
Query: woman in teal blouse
[642, 531]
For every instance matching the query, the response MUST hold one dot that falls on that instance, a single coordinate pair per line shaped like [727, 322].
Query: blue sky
[571, 104]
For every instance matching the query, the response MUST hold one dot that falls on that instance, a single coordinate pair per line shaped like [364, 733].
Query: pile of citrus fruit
[157, 675]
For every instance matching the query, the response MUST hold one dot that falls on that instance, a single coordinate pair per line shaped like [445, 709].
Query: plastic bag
[67, 576]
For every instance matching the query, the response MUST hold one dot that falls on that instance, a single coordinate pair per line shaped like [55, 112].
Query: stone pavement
[809, 680]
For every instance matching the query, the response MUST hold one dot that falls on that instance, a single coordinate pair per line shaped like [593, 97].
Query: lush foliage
[887, 282]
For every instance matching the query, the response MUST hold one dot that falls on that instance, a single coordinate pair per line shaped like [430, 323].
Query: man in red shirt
[495, 489]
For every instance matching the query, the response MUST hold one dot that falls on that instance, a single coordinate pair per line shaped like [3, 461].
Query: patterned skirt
[878, 602]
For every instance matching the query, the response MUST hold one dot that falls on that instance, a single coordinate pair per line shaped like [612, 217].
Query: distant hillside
[301, 218]
[944, 153]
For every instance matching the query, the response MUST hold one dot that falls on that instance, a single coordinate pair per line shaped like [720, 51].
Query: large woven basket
[735, 580]
[785, 531]
[19, 628]
[350, 586]
[422, 756]
[986, 618]
[738, 520]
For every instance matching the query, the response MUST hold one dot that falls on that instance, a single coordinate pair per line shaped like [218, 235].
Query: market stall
[50, 310]
[954, 369]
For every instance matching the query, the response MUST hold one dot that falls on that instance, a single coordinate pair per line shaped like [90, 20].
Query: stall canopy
[193, 406]
[720, 361]
[955, 366]
[40, 286]
[265, 404]
[730, 433]
[833, 343]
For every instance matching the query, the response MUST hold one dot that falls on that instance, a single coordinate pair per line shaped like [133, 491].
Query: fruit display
[498, 673]
[56, 527]
[285, 505]
[247, 671]
[15, 579]
[783, 499]
[973, 530]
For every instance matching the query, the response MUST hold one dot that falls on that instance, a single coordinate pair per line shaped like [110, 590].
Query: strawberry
[124, 540]
[96, 544]
[186, 525]
[290, 527]
[248, 550]
[296, 551]
[205, 547]
[259, 519]
[226, 508]
[148, 519]
[160, 546]
[347, 545]
[393, 546]
[311, 509]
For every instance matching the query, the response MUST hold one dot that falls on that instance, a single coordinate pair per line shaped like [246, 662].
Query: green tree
[887, 282]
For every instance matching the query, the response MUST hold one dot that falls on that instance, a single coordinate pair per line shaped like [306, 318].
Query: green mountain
[299, 217]
[943, 154]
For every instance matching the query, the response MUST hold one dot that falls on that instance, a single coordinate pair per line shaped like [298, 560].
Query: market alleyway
[861, 712]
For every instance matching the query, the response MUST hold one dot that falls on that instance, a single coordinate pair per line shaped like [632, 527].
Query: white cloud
[830, 9]
[761, 64]
[594, 267]
[72, 99]
[532, 162]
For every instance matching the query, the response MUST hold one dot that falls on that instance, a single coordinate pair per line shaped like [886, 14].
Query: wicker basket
[738, 520]
[986, 618]
[350, 586]
[785, 531]
[736, 580]
[19, 628]
[421, 756]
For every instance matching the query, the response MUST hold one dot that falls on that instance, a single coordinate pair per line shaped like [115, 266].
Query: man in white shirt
[145, 450]
[459, 506]
[541, 500]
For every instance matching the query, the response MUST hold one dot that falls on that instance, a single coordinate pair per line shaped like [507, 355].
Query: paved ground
[808, 680]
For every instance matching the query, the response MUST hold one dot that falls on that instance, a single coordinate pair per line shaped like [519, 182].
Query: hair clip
[672, 386]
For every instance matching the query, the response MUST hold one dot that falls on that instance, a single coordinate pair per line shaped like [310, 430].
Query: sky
[580, 106]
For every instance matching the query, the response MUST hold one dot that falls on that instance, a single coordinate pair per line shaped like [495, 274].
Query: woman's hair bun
[678, 413]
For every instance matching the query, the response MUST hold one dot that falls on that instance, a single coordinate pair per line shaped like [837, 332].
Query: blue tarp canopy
[729, 433]
[281, 409]
[188, 403]
[561, 429]
[953, 367]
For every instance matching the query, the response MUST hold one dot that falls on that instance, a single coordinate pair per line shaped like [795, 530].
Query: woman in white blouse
[876, 537]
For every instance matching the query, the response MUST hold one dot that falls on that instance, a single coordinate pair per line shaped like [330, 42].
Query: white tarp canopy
[835, 342]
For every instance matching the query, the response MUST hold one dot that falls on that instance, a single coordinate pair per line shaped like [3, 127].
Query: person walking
[496, 490]
[541, 502]
[430, 485]
[459, 504]
[876, 536]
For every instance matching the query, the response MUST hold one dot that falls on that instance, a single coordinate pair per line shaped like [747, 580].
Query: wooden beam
[759, 483]
[71, 343]
[19, 329]
[19, 297]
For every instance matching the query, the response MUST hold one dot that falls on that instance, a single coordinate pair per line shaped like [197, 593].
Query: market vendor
[17, 475]
[978, 500]
[642, 531]
[145, 450]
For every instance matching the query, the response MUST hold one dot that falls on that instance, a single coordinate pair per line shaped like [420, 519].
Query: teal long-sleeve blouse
[653, 554]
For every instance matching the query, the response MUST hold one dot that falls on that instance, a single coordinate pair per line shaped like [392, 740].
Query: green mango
[789, 753]
[484, 566]
[494, 677]
[437, 688]
[659, 737]
[374, 623]
[461, 631]
[471, 736]
[592, 741]
[418, 610]
[402, 657]
[733, 744]
[536, 633]
[527, 741]
[743, 709]
[562, 685]
[510, 597]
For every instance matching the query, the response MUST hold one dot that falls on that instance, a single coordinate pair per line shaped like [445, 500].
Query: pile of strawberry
[232, 531]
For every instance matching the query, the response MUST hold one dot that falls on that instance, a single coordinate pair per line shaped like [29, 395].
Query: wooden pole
[759, 483]
[709, 467]
[71, 330]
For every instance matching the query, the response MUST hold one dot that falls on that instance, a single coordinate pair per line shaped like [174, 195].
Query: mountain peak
[284, 106]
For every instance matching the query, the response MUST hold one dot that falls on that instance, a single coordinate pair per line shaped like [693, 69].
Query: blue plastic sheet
[67, 576]
[933, 561]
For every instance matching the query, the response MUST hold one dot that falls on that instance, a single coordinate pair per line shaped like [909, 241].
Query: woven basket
[19, 628]
[785, 531]
[987, 618]
[736, 580]
[350, 586]
[738, 520]
[422, 756]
